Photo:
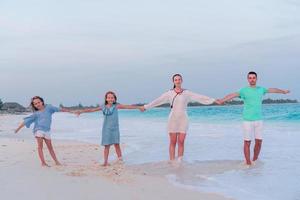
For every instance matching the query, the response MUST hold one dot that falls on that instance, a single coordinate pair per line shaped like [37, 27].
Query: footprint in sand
[78, 173]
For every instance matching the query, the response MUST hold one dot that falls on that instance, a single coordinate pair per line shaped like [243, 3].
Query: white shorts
[42, 134]
[251, 128]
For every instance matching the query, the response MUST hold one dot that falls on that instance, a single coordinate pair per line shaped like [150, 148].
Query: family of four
[178, 98]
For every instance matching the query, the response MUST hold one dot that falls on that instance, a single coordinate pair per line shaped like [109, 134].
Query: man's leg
[247, 128]
[258, 139]
[257, 148]
[247, 151]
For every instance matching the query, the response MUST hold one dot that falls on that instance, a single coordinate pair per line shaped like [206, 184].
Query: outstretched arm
[164, 98]
[88, 110]
[276, 90]
[229, 97]
[20, 127]
[66, 110]
[121, 106]
[201, 98]
[27, 122]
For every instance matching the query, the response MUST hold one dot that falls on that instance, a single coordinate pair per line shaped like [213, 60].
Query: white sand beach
[81, 176]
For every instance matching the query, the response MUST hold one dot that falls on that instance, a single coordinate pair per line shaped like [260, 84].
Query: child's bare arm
[67, 110]
[88, 110]
[20, 127]
[121, 106]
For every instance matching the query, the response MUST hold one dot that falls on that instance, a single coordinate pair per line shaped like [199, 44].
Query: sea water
[214, 141]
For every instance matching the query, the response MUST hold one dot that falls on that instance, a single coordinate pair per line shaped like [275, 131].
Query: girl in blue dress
[110, 128]
[42, 118]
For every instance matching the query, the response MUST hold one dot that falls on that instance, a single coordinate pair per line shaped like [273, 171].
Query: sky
[71, 51]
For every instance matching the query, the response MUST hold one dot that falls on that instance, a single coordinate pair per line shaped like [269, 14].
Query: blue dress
[110, 128]
[41, 119]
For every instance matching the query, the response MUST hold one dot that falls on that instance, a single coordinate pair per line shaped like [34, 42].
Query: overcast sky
[71, 51]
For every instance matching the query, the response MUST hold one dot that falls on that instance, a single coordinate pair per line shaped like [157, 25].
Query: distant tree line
[1, 104]
[265, 101]
[237, 102]
[269, 101]
[79, 106]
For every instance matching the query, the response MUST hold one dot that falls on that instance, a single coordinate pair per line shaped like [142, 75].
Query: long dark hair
[34, 109]
[173, 77]
[110, 92]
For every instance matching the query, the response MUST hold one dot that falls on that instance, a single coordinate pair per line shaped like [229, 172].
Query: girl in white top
[178, 118]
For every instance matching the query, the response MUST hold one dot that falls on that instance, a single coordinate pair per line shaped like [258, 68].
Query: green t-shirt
[252, 98]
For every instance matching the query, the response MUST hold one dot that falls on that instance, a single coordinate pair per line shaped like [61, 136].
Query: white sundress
[178, 118]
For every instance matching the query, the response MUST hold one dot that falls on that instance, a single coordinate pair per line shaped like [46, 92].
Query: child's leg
[51, 151]
[106, 152]
[118, 151]
[39, 141]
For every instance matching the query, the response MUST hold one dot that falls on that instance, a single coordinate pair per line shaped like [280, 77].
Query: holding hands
[77, 113]
[120, 106]
[285, 91]
[142, 108]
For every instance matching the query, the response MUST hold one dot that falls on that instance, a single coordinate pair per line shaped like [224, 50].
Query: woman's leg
[106, 152]
[39, 141]
[118, 151]
[172, 147]
[181, 139]
[51, 151]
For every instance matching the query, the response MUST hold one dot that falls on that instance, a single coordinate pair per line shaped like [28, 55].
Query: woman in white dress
[178, 119]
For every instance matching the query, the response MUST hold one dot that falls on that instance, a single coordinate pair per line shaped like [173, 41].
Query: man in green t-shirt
[252, 96]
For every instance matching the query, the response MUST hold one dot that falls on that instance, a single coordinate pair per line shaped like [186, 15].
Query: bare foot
[105, 165]
[58, 163]
[179, 159]
[174, 163]
[171, 161]
[45, 165]
[248, 162]
[246, 166]
[120, 159]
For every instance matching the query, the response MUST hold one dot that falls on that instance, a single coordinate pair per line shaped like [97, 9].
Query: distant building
[12, 107]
